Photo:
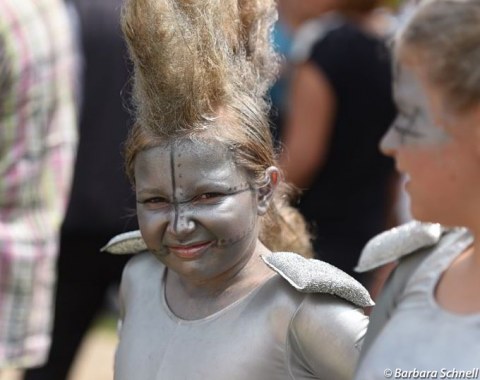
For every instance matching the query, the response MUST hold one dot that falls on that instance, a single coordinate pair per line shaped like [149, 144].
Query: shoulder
[325, 336]
[315, 276]
[141, 271]
[328, 316]
[310, 33]
[344, 37]
[413, 261]
[327, 327]
[399, 242]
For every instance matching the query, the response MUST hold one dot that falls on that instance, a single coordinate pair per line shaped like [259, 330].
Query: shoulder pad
[398, 242]
[315, 276]
[126, 243]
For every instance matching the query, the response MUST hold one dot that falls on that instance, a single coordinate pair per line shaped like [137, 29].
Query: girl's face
[437, 149]
[197, 212]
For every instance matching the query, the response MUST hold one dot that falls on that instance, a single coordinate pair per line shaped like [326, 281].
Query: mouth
[190, 252]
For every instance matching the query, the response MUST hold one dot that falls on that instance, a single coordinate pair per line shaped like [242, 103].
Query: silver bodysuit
[419, 339]
[273, 333]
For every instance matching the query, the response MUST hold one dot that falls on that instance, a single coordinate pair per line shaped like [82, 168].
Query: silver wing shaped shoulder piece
[126, 243]
[315, 276]
[391, 245]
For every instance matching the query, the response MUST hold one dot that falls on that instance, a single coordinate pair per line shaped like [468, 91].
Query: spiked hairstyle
[202, 69]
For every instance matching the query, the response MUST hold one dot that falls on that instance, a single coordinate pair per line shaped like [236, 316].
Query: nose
[389, 142]
[181, 223]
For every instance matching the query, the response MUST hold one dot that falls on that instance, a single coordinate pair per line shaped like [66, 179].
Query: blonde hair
[446, 34]
[201, 70]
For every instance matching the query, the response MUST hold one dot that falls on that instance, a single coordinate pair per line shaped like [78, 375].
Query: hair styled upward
[201, 71]
[446, 33]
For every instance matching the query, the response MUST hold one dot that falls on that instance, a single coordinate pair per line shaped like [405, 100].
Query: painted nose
[181, 223]
[389, 142]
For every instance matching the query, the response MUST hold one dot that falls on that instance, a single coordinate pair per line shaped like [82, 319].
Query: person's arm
[325, 338]
[309, 124]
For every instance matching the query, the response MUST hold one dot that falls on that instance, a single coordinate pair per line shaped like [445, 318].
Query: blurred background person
[37, 147]
[102, 200]
[340, 104]
[428, 315]
[292, 15]
[292, 26]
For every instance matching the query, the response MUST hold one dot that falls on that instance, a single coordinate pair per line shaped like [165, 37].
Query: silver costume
[410, 335]
[275, 332]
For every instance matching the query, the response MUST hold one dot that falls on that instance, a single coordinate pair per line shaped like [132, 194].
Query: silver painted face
[415, 123]
[196, 209]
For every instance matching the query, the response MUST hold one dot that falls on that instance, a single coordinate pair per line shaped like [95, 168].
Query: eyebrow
[201, 188]
[208, 186]
[150, 191]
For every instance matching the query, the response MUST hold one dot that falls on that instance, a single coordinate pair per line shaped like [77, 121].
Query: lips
[191, 251]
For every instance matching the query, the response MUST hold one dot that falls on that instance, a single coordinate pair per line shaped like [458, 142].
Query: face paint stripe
[174, 185]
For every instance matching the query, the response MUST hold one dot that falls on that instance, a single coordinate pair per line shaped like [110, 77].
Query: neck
[193, 299]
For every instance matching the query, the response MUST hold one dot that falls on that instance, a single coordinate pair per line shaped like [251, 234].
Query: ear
[265, 192]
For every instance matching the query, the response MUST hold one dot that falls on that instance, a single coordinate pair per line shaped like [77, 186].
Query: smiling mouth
[190, 252]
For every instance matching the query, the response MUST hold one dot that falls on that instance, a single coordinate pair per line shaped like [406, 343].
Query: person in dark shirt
[341, 104]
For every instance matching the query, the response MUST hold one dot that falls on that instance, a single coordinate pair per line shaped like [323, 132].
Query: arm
[309, 124]
[325, 338]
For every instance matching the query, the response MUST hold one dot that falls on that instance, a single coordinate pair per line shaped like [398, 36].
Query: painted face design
[415, 123]
[196, 209]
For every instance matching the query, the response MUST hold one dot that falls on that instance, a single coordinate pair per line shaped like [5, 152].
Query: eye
[208, 197]
[405, 124]
[154, 202]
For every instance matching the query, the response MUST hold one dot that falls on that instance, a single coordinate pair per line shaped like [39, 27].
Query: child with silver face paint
[426, 322]
[208, 299]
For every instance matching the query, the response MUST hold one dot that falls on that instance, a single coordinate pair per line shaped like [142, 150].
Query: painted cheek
[435, 135]
[153, 225]
[239, 225]
[237, 236]
[229, 222]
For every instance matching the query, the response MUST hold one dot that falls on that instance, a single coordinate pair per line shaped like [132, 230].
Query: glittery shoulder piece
[393, 244]
[126, 243]
[315, 276]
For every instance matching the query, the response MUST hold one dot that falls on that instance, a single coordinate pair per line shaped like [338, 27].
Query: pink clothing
[37, 145]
